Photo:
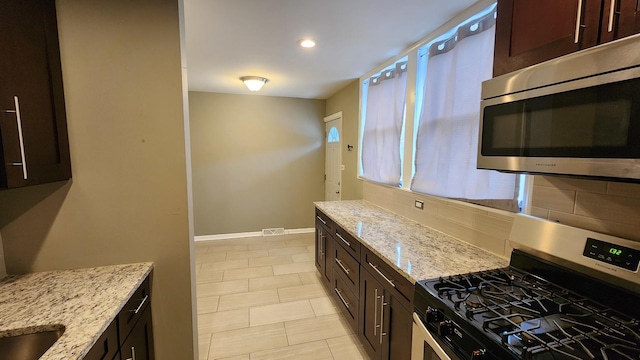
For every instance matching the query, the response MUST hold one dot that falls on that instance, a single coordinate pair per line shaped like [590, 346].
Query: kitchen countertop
[416, 251]
[83, 301]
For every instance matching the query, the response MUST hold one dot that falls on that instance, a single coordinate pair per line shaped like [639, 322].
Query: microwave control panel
[613, 254]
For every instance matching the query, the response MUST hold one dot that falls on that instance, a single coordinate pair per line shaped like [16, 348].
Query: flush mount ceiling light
[307, 43]
[254, 83]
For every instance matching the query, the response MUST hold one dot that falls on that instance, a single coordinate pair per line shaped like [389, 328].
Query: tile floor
[260, 298]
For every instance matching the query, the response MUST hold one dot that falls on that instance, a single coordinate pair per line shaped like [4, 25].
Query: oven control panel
[613, 254]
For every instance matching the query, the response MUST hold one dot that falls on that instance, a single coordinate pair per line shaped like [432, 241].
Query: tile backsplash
[606, 207]
[478, 225]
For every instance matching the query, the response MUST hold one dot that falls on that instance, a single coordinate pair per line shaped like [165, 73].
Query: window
[333, 135]
[439, 121]
[382, 125]
[447, 137]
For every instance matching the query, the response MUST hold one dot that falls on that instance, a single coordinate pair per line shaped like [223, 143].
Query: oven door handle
[424, 335]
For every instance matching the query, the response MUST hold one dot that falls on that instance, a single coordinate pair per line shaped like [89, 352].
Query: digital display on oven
[616, 255]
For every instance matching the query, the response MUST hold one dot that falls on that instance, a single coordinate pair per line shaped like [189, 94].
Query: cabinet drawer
[133, 309]
[348, 268]
[106, 347]
[323, 220]
[347, 302]
[389, 278]
[347, 241]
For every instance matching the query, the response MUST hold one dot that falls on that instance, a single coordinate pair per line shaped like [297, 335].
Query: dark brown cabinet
[324, 245]
[34, 146]
[385, 321]
[374, 298]
[530, 32]
[130, 335]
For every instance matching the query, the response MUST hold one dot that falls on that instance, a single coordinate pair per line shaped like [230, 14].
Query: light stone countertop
[84, 301]
[416, 251]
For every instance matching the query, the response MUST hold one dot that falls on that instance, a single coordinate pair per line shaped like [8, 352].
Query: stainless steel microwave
[575, 115]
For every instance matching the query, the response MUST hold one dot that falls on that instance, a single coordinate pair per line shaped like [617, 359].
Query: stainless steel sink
[28, 346]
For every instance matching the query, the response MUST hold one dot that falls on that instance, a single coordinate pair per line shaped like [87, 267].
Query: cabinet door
[397, 324]
[139, 343]
[34, 144]
[529, 32]
[620, 18]
[323, 252]
[371, 312]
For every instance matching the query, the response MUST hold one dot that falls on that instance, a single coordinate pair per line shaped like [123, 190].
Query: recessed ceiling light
[307, 43]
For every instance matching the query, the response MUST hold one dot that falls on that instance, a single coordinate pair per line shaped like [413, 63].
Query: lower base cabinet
[375, 300]
[139, 343]
[385, 325]
[130, 334]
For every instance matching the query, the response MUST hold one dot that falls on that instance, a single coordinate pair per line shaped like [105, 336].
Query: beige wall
[257, 161]
[606, 207]
[127, 201]
[346, 100]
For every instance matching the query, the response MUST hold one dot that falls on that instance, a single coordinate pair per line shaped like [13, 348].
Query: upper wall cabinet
[34, 145]
[530, 32]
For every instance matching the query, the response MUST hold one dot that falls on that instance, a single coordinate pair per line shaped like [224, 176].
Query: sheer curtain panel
[383, 126]
[447, 138]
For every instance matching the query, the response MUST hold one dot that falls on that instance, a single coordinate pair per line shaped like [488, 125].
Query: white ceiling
[227, 39]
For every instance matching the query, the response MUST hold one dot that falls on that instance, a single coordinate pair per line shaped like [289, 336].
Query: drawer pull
[343, 240]
[382, 305]
[321, 219]
[611, 13]
[23, 159]
[578, 21]
[137, 310]
[341, 298]
[381, 274]
[346, 271]
[133, 354]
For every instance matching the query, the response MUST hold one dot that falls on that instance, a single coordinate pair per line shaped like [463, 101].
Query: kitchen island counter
[417, 252]
[83, 302]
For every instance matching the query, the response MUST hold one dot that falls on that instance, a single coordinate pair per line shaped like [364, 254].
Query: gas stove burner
[473, 301]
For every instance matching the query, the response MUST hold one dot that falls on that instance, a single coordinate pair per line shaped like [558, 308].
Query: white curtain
[447, 139]
[383, 126]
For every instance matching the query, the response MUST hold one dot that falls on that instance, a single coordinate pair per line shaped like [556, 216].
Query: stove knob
[445, 328]
[433, 315]
[480, 354]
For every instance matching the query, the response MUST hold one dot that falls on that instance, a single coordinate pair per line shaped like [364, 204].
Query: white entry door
[333, 162]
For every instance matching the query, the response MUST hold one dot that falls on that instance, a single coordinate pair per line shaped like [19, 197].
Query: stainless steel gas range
[567, 294]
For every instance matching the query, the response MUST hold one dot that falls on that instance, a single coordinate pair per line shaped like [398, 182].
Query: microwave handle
[420, 335]
[578, 21]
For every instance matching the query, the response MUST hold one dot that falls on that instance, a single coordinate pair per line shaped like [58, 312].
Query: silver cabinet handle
[375, 313]
[321, 219]
[611, 13]
[137, 310]
[133, 354]
[382, 305]
[346, 271]
[578, 20]
[322, 241]
[381, 274]
[343, 240]
[23, 158]
[341, 298]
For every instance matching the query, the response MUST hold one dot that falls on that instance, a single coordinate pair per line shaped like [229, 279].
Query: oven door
[424, 346]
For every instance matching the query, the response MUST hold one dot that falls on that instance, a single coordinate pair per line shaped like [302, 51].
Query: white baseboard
[248, 234]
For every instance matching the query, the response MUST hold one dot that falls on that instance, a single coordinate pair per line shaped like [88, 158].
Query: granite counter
[414, 250]
[83, 302]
